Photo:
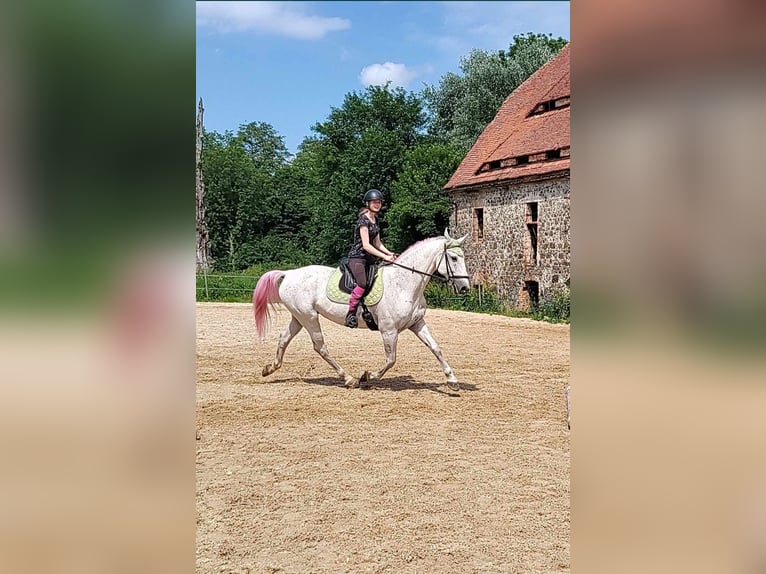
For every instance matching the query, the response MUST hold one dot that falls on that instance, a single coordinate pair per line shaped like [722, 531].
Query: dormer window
[549, 106]
[553, 154]
[521, 160]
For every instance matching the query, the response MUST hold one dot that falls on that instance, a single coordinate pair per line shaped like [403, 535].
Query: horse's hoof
[266, 371]
[365, 378]
[453, 385]
[352, 383]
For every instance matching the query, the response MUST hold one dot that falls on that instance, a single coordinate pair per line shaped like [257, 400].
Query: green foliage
[420, 207]
[227, 288]
[264, 146]
[270, 249]
[361, 145]
[523, 42]
[444, 297]
[233, 287]
[555, 309]
[461, 106]
[377, 108]
[251, 207]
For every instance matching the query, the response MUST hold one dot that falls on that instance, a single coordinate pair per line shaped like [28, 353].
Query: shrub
[444, 297]
[556, 308]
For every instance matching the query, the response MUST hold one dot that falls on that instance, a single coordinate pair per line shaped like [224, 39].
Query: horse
[402, 306]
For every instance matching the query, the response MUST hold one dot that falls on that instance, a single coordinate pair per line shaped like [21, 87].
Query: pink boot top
[356, 296]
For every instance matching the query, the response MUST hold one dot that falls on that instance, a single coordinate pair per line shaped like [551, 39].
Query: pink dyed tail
[265, 296]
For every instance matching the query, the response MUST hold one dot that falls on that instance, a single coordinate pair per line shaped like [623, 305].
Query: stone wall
[500, 221]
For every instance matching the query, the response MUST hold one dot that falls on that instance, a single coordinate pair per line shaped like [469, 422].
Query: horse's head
[452, 265]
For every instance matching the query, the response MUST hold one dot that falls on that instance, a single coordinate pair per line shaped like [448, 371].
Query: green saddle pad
[335, 295]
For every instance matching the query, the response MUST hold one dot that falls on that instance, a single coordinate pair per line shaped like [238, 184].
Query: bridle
[450, 275]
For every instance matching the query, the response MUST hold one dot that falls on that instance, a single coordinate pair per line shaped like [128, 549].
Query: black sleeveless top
[357, 251]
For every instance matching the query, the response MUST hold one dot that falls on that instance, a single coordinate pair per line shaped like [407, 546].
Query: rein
[432, 275]
[450, 275]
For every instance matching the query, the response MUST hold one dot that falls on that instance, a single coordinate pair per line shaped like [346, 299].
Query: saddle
[347, 283]
[342, 283]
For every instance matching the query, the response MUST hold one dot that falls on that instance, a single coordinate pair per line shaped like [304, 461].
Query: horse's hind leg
[315, 332]
[421, 332]
[292, 329]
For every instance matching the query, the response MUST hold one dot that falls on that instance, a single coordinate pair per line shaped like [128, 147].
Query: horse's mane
[415, 246]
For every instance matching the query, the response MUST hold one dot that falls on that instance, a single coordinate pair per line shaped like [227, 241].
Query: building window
[522, 160]
[553, 154]
[531, 221]
[550, 105]
[478, 222]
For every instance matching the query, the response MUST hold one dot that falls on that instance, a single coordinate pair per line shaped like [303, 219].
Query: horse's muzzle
[464, 290]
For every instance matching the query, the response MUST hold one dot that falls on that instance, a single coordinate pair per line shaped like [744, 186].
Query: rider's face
[375, 205]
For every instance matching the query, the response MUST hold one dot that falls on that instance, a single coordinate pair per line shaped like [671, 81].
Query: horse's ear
[446, 233]
[460, 241]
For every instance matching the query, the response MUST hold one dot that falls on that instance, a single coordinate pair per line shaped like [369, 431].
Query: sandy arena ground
[297, 474]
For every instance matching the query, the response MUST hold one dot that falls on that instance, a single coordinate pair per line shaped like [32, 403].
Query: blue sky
[289, 63]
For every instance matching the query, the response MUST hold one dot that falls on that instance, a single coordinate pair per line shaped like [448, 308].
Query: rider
[367, 247]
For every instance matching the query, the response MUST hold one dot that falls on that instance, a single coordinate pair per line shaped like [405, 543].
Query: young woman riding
[366, 249]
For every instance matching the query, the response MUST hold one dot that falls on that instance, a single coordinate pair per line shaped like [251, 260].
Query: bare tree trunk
[204, 260]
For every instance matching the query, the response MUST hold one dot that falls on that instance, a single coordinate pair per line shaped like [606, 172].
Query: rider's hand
[391, 258]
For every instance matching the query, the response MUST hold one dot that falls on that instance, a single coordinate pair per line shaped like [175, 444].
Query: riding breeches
[358, 269]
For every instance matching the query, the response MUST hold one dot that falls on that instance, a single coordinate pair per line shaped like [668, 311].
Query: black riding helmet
[372, 195]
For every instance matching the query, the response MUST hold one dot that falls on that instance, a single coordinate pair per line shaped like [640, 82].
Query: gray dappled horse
[303, 292]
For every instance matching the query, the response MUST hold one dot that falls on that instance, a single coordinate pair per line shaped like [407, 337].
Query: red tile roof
[512, 134]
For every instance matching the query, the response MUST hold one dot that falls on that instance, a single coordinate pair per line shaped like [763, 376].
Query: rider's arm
[364, 233]
[379, 244]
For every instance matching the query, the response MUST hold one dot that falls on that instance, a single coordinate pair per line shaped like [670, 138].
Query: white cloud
[379, 74]
[278, 18]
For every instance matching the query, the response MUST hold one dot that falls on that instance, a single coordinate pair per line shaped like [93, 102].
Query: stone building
[511, 191]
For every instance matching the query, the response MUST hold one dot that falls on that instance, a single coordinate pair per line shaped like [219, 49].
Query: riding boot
[353, 305]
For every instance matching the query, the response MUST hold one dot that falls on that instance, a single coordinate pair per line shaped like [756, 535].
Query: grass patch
[233, 286]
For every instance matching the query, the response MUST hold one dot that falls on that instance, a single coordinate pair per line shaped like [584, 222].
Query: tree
[203, 236]
[243, 204]
[420, 206]
[522, 42]
[461, 106]
[265, 147]
[361, 145]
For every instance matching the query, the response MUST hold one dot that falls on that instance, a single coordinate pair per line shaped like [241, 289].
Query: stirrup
[369, 319]
[351, 320]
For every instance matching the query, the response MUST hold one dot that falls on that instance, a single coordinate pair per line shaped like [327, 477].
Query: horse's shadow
[401, 383]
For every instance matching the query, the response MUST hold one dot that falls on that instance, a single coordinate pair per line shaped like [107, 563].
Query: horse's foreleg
[421, 332]
[315, 332]
[389, 345]
[292, 329]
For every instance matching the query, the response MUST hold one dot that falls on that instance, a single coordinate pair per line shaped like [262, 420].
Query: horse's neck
[425, 258]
